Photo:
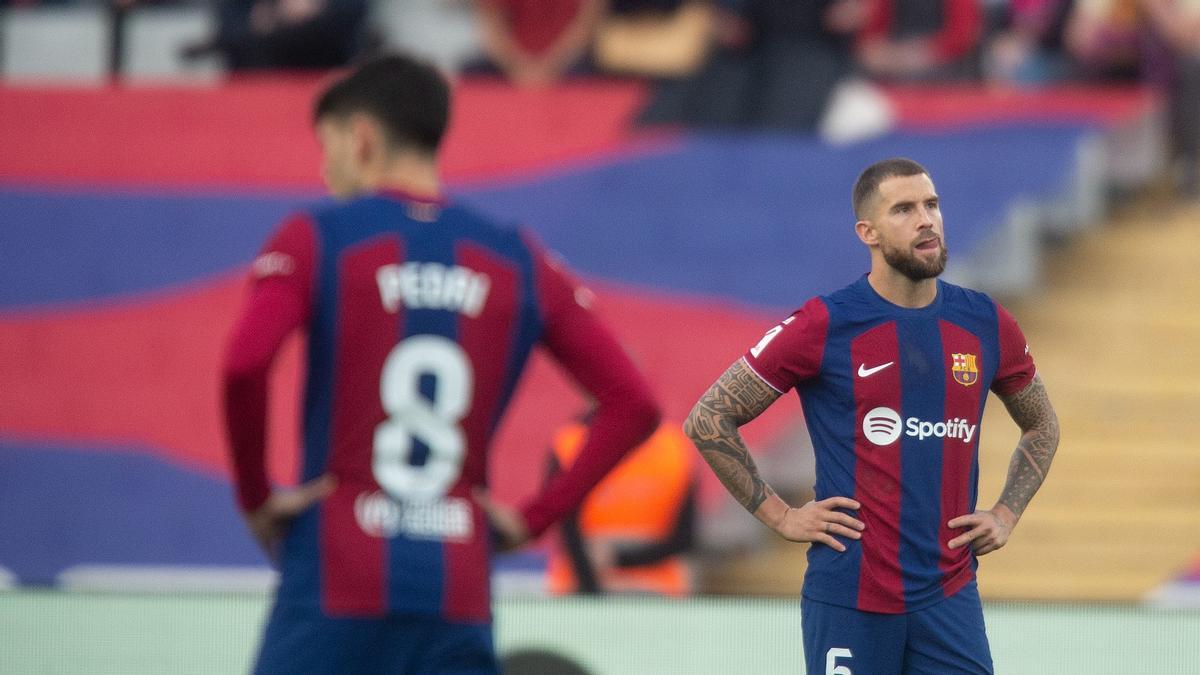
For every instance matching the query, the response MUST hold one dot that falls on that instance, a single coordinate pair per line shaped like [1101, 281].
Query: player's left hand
[989, 529]
[507, 524]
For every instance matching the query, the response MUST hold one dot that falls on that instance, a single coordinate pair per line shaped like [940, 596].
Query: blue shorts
[946, 637]
[300, 640]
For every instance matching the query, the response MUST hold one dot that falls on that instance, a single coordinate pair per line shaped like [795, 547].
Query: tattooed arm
[733, 400]
[1030, 408]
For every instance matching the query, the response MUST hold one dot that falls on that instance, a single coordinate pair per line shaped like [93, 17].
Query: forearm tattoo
[1031, 410]
[736, 398]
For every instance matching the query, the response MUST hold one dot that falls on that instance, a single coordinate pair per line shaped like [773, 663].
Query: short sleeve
[1016, 368]
[792, 351]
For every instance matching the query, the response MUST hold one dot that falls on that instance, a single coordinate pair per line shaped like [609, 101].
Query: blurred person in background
[1177, 22]
[535, 43]
[1027, 46]
[632, 532]
[893, 372]
[921, 39]
[773, 64]
[420, 317]
[287, 34]
[1108, 42]
[1158, 42]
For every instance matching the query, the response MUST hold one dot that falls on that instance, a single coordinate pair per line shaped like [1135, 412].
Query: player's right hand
[269, 522]
[819, 522]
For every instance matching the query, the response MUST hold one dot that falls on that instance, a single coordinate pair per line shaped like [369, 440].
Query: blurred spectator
[1107, 41]
[1027, 47]
[287, 34]
[1157, 41]
[634, 527]
[921, 39]
[1177, 23]
[535, 43]
[773, 64]
[653, 38]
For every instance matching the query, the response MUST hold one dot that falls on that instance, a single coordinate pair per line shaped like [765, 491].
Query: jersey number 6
[412, 416]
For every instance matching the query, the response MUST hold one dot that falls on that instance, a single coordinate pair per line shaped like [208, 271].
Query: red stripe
[962, 402]
[877, 472]
[488, 340]
[354, 563]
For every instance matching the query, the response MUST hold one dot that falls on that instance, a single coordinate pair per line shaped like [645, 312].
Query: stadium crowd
[775, 64]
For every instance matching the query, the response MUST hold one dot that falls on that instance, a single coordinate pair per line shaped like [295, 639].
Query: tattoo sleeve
[1031, 410]
[737, 397]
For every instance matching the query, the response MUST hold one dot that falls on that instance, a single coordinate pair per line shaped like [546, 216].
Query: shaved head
[867, 185]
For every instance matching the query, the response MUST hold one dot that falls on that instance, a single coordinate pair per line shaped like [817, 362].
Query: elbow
[244, 362]
[238, 374]
[637, 406]
[645, 412]
[1050, 428]
[692, 423]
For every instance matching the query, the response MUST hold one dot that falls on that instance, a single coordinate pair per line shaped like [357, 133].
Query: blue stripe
[772, 199]
[923, 395]
[417, 576]
[58, 246]
[66, 506]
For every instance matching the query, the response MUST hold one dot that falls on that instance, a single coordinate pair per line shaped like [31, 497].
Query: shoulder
[961, 298]
[493, 232]
[850, 302]
[815, 308]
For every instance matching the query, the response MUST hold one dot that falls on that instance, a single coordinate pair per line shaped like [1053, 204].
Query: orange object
[637, 503]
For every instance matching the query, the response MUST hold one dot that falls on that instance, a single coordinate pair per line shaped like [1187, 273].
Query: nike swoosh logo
[864, 371]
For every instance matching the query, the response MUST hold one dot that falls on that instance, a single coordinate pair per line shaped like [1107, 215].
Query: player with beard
[893, 373]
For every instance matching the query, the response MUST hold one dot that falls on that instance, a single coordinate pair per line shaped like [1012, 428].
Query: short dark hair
[409, 98]
[869, 180]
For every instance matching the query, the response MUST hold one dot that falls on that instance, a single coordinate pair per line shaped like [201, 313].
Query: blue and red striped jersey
[420, 317]
[893, 399]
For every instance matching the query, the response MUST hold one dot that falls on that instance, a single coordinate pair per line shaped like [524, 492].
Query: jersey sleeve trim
[760, 376]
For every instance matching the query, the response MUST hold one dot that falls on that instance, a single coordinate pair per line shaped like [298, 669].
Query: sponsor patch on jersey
[964, 369]
[445, 519]
[884, 426]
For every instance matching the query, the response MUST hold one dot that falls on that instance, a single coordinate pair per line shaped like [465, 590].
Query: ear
[365, 134]
[866, 232]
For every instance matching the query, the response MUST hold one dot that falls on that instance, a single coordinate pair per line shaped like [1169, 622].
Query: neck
[411, 174]
[900, 290]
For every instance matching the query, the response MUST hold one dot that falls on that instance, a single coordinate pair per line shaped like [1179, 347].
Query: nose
[926, 220]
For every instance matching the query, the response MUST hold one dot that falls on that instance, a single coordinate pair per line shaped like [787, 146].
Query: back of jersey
[423, 317]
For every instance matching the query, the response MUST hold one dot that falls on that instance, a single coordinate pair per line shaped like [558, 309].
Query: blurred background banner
[693, 161]
[127, 240]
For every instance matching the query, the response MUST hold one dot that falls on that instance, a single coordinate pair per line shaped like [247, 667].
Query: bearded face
[913, 262]
[906, 221]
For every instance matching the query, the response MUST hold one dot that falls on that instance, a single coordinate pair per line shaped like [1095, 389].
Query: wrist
[772, 512]
[1006, 514]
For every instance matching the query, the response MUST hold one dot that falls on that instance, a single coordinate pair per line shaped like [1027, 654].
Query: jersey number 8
[412, 416]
